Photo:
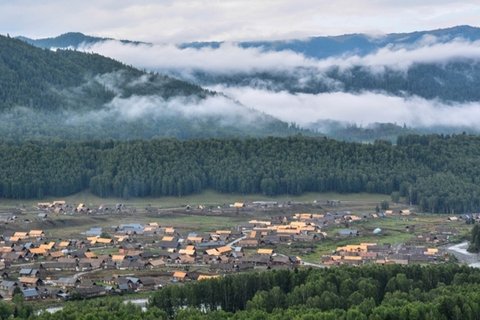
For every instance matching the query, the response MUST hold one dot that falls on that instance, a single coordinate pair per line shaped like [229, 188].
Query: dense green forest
[435, 292]
[438, 173]
[65, 79]
[474, 239]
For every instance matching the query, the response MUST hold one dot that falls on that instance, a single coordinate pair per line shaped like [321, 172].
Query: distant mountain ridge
[318, 47]
[71, 40]
[359, 44]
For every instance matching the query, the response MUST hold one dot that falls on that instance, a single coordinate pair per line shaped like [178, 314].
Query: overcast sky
[203, 20]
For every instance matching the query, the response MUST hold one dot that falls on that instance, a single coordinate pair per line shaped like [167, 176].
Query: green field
[205, 198]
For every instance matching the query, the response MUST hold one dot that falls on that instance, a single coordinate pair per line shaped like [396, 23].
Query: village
[145, 256]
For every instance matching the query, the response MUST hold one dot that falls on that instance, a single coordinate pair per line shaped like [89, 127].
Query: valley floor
[84, 246]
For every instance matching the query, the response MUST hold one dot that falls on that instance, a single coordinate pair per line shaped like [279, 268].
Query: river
[463, 256]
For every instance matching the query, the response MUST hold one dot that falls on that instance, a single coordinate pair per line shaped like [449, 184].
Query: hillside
[87, 96]
[52, 80]
[328, 77]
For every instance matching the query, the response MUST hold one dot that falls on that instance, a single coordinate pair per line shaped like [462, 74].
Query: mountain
[52, 80]
[312, 47]
[455, 79]
[76, 95]
[70, 40]
[442, 67]
[358, 44]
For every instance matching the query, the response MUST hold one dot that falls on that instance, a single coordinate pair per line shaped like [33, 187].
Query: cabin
[30, 293]
[179, 276]
[67, 282]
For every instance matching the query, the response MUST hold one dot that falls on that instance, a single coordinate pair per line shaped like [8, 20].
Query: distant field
[205, 198]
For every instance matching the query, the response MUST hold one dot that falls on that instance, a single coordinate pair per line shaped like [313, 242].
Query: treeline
[392, 292]
[438, 173]
[439, 292]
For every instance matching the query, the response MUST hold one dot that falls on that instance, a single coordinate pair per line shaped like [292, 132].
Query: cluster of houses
[62, 207]
[302, 228]
[147, 256]
[358, 254]
[39, 267]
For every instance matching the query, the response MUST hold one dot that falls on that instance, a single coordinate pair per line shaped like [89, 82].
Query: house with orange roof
[224, 249]
[36, 233]
[265, 251]
[212, 252]
[194, 239]
[118, 257]
[47, 246]
[90, 255]
[104, 240]
[56, 254]
[38, 251]
[223, 232]
[63, 244]
[179, 276]
[169, 230]
[29, 281]
[21, 235]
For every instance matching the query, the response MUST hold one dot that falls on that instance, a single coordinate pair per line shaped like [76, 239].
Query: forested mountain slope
[73, 95]
[52, 80]
[438, 173]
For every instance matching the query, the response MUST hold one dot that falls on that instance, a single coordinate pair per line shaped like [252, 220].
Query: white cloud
[362, 108]
[401, 58]
[229, 57]
[219, 108]
[365, 108]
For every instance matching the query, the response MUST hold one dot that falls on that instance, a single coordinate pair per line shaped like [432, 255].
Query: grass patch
[208, 197]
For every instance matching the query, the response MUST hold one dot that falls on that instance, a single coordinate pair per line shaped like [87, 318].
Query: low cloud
[364, 108]
[230, 57]
[133, 108]
[427, 50]
[227, 58]
[304, 109]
